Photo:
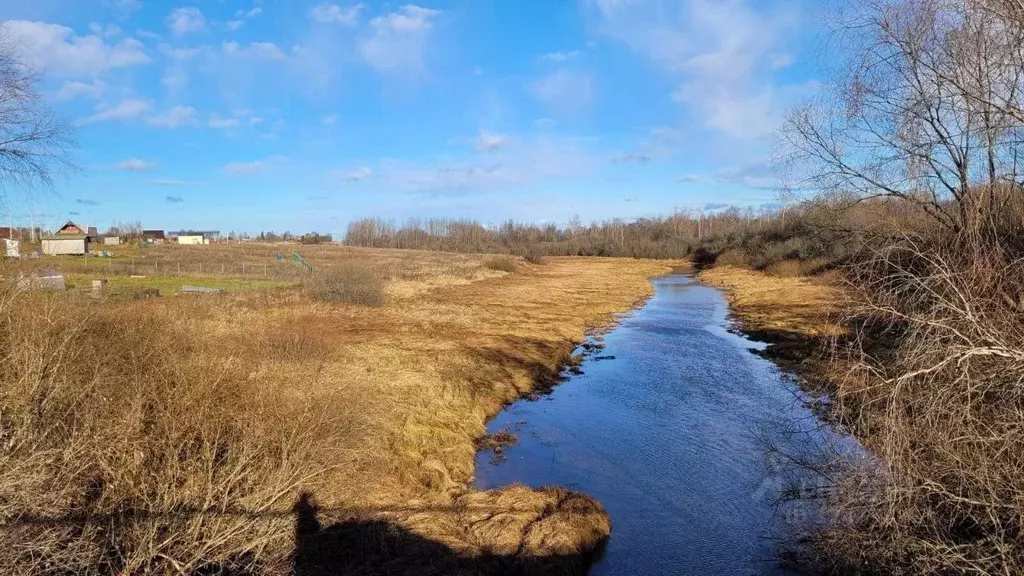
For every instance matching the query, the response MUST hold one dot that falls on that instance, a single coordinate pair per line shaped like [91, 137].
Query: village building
[11, 248]
[190, 239]
[69, 239]
[154, 236]
[195, 237]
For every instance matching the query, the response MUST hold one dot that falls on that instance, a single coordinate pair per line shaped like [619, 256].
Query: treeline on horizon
[677, 235]
[819, 232]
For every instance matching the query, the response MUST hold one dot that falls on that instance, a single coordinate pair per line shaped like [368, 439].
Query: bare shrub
[934, 390]
[533, 255]
[351, 282]
[795, 267]
[502, 263]
[732, 257]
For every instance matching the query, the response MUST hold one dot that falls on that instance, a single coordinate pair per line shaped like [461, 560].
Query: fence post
[264, 270]
[200, 268]
[179, 267]
[133, 265]
[243, 268]
[222, 268]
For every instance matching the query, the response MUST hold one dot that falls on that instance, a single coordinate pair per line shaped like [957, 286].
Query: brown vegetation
[502, 263]
[352, 282]
[165, 435]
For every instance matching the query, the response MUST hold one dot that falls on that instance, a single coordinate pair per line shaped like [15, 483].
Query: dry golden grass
[764, 302]
[273, 393]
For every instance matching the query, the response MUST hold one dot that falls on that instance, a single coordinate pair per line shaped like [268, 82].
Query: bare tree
[924, 104]
[35, 144]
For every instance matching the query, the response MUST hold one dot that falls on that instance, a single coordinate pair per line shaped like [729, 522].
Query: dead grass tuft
[349, 282]
[502, 263]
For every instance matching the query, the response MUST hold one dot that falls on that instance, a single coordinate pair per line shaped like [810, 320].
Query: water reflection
[685, 436]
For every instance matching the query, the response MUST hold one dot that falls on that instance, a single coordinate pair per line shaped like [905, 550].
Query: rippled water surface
[669, 427]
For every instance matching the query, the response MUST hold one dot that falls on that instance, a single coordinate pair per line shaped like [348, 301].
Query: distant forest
[678, 235]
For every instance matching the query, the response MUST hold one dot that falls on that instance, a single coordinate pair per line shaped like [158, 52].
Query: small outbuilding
[11, 248]
[111, 240]
[190, 239]
[69, 239]
[154, 236]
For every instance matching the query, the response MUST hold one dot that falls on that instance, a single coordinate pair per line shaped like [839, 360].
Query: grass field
[375, 409]
[171, 285]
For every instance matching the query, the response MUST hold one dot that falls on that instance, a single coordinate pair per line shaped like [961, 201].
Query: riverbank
[371, 412]
[797, 316]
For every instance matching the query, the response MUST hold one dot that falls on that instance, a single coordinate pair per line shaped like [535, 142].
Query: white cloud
[256, 50]
[327, 13]
[175, 117]
[135, 165]
[690, 178]
[634, 156]
[235, 24]
[722, 54]
[216, 121]
[185, 20]
[249, 168]
[560, 56]
[104, 29]
[760, 174]
[58, 51]
[165, 182]
[356, 175]
[517, 163]
[124, 110]
[179, 54]
[565, 90]
[249, 13]
[399, 40]
[330, 119]
[71, 90]
[489, 141]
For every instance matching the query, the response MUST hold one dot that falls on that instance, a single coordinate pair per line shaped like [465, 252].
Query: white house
[70, 239]
[191, 239]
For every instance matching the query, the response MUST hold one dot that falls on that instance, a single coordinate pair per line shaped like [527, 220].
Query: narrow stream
[669, 426]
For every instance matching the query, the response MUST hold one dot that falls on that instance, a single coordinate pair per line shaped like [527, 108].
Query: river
[669, 427]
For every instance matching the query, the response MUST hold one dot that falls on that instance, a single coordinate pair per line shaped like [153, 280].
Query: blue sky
[290, 114]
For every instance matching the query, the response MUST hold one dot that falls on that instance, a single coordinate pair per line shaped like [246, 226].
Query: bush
[732, 257]
[703, 257]
[503, 263]
[934, 388]
[533, 255]
[350, 282]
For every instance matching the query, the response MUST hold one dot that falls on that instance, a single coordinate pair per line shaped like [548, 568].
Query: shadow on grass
[361, 542]
[378, 547]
